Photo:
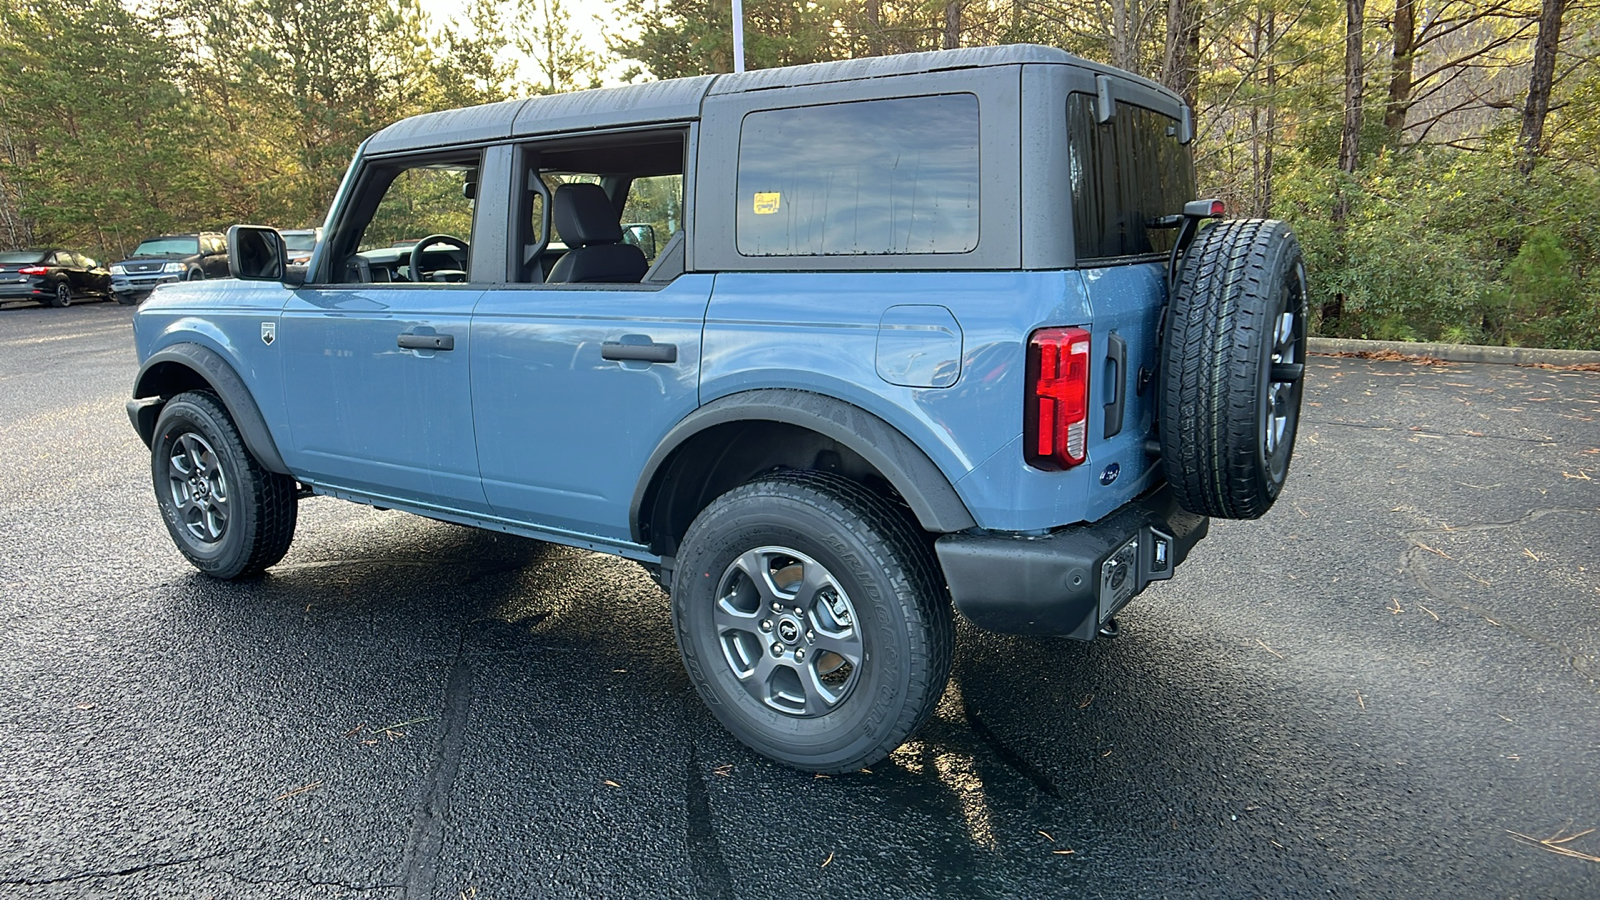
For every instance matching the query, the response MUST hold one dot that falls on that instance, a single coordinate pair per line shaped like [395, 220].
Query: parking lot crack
[114, 873]
[1013, 760]
[426, 843]
[710, 867]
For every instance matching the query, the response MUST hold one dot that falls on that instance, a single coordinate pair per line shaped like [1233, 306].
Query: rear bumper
[25, 291]
[1071, 581]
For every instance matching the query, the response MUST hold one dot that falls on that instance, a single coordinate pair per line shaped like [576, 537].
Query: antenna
[738, 35]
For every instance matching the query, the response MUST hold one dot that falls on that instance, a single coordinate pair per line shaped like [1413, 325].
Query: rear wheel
[1233, 366]
[811, 621]
[62, 297]
[228, 515]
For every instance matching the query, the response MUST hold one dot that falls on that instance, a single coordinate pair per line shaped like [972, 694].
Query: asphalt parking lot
[1389, 687]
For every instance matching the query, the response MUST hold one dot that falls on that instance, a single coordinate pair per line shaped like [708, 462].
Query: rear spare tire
[1232, 368]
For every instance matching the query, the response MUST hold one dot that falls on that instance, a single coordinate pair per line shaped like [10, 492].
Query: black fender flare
[151, 388]
[931, 496]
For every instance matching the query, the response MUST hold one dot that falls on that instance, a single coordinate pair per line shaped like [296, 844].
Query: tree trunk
[1531, 141]
[1183, 48]
[874, 15]
[1354, 75]
[952, 24]
[1349, 137]
[1121, 41]
[1272, 113]
[1400, 71]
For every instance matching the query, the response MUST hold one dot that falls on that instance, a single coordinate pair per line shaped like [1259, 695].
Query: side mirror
[641, 235]
[256, 253]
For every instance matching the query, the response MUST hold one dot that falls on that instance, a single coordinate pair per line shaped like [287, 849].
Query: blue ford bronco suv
[923, 334]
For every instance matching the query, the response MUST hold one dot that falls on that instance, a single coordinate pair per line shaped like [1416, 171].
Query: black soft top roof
[679, 99]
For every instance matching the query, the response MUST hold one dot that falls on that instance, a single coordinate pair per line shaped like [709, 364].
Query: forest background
[1438, 158]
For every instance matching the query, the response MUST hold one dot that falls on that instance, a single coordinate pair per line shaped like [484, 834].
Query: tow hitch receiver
[1146, 557]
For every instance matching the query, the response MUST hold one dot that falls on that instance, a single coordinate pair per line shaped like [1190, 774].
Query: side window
[653, 213]
[622, 194]
[214, 244]
[1124, 173]
[61, 258]
[420, 230]
[870, 177]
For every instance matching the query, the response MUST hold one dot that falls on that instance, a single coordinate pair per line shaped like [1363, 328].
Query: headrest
[584, 215]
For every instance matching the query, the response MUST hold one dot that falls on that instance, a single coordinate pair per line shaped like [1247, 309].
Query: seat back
[588, 224]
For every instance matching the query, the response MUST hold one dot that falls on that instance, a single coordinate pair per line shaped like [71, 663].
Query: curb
[1515, 356]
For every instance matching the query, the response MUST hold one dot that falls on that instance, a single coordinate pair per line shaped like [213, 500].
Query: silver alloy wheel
[788, 631]
[1287, 372]
[198, 488]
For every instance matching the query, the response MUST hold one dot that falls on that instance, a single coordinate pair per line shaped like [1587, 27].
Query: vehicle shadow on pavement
[540, 686]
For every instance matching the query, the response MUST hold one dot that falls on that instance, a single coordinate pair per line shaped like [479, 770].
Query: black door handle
[410, 341]
[651, 352]
[1117, 364]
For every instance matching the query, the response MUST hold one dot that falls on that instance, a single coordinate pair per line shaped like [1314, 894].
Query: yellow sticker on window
[767, 203]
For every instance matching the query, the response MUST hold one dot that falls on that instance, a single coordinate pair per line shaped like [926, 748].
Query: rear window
[17, 257]
[870, 177]
[1125, 173]
[168, 246]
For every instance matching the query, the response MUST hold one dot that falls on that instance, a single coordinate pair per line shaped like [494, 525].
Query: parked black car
[52, 276]
[168, 258]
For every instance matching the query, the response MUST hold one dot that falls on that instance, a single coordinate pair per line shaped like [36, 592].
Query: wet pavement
[1385, 688]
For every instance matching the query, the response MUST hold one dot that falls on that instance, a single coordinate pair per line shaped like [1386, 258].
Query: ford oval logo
[1110, 473]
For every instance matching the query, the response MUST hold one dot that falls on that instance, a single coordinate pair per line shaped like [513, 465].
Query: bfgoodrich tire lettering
[1233, 364]
[858, 607]
[228, 515]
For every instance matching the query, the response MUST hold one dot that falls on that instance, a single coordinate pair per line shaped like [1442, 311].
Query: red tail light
[1055, 425]
[33, 270]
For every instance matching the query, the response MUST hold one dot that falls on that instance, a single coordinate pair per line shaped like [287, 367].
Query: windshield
[13, 257]
[168, 246]
[303, 240]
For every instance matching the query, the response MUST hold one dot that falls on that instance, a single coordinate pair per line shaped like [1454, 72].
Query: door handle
[651, 352]
[410, 341]
[1117, 366]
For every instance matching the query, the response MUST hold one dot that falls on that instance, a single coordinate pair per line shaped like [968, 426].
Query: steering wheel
[419, 273]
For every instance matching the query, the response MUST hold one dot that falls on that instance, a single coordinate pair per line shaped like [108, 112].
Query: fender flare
[926, 489]
[214, 370]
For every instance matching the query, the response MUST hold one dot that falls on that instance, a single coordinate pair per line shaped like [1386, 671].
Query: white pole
[738, 35]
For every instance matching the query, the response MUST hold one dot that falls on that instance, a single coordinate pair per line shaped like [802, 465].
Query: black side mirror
[256, 253]
[641, 235]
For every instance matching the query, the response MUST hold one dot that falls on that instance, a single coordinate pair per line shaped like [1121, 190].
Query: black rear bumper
[1070, 581]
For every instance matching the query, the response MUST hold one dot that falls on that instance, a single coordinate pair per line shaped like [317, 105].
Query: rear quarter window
[890, 176]
[1124, 173]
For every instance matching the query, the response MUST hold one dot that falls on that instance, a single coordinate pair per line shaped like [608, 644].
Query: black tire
[195, 275]
[1232, 368]
[873, 593]
[226, 513]
[61, 298]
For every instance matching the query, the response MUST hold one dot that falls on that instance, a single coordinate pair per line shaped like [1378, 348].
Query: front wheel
[226, 513]
[811, 620]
